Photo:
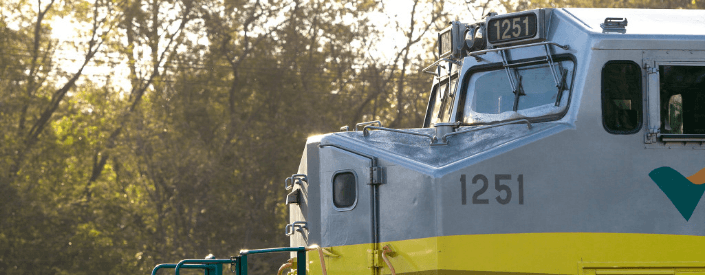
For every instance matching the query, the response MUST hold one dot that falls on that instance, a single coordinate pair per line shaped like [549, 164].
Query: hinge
[651, 136]
[650, 66]
[376, 175]
[652, 101]
[294, 197]
[375, 258]
[648, 63]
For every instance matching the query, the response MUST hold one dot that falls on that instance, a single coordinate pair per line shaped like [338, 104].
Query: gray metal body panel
[343, 226]
[309, 209]
[576, 176]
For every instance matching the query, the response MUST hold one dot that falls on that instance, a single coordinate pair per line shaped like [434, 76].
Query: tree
[520, 5]
[33, 100]
[187, 156]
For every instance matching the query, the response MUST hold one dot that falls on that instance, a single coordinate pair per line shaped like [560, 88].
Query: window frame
[678, 138]
[640, 115]
[332, 181]
[432, 98]
[463, 85]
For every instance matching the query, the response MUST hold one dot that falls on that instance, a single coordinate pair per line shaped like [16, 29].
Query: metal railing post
[212, 266]
[242, 265]
[301, 262]
[219, 269]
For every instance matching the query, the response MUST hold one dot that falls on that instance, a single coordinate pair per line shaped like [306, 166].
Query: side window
[447, 106]
[441, 103]
[435, 104]
[621, 97]
[344, 190]
[682, 96]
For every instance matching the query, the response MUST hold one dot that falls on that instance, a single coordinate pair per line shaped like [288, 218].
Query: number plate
[519, 28]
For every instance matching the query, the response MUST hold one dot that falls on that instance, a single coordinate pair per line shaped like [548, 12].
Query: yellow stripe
[527, 253]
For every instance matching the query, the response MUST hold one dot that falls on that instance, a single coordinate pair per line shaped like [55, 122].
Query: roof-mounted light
[475, 38]
[445, 42]
[456, 40]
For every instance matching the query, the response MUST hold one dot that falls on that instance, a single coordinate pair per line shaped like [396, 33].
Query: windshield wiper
[561, 86]
[516, 85]
[518, 92]
[517, 88]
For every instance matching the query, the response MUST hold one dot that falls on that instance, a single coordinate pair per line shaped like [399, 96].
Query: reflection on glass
[447, 105]
[682, 99]
[539, 87]
[442, 101]
[621, 97]
[344, 191]
[493, 94]
[437, 102]
[674, 124]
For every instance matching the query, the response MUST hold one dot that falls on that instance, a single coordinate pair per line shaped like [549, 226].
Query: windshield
[490, 97]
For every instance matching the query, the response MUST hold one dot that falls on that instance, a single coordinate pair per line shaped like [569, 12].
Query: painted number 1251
[513, 29]
[502, 183]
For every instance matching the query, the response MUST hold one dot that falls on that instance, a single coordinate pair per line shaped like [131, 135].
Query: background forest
[136, 132]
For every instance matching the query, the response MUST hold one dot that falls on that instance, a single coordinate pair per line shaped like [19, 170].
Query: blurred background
[137, 132]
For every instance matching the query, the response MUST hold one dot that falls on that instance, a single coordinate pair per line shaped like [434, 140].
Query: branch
[57, 97]
[37, 33]
[155, 67]
[139, 92]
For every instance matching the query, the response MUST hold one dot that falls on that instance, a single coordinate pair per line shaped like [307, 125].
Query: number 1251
[511, 29]
[501, 188]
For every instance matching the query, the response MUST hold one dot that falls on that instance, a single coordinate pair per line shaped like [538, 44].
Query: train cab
[556, 141]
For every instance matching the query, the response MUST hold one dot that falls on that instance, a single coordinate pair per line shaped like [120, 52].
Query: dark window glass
[682, 99]
[344, 190]
[621, 97]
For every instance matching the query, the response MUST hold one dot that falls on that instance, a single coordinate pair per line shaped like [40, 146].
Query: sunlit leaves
[175, 140]
[641, 4]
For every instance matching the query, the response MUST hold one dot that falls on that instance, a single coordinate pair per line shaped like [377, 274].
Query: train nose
[442, 146]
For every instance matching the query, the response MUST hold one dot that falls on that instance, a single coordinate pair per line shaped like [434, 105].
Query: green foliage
[188, 159]
[512, 5]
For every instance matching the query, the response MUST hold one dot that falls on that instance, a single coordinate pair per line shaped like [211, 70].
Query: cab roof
[643, 21]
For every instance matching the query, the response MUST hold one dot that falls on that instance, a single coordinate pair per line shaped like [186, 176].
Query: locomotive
[555, 141]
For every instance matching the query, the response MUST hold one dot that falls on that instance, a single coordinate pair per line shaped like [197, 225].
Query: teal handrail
[215, 266]
[300, 255]
[160, 266]
[183, 263]
[270, 250]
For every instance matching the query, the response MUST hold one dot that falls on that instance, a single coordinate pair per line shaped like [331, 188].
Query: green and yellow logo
[684, 192]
